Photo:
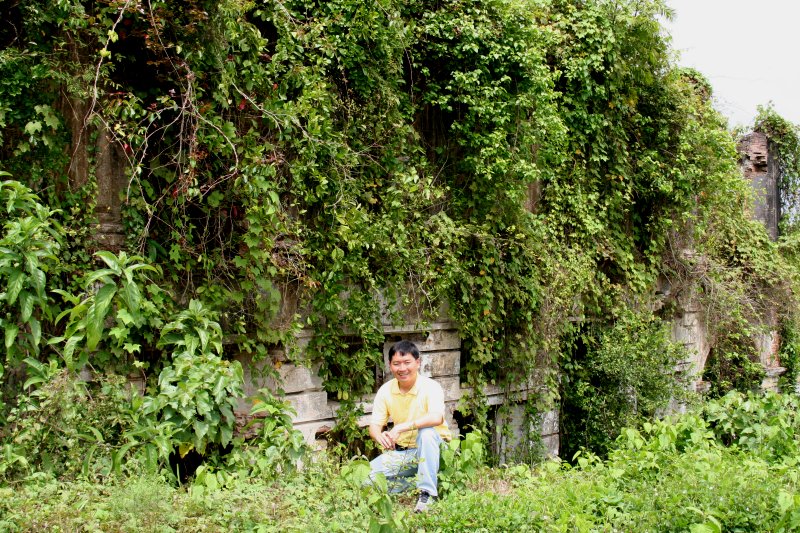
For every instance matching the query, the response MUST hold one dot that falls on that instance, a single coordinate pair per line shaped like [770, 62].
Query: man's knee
[427, 436]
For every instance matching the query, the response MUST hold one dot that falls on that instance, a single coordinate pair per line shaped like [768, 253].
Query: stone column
[111, 184]
[761, 170]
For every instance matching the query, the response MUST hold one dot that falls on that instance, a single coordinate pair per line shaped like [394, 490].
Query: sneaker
[423, 502]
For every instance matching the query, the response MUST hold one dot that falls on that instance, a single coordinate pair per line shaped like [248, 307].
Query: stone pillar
[761, 170]
[111, 183]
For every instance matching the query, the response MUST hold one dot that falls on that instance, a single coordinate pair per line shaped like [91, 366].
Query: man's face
[405, 368]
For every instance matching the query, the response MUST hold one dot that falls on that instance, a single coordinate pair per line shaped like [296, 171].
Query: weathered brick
[311, 429]
[291, 378]
[310, 406]
[451, 386]
[449, 409]
[441, 340]
[434, 341]
[550, 422]
[551, 445]
[436, 364]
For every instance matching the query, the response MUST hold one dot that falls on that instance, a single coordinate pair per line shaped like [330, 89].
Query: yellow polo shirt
[425, 397]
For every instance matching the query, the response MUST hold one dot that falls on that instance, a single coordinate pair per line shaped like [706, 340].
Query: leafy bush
[276, 447]
[461, 460]
[669, 475]
[65, 427]
[198, 391]
[767, 425]
[618, 376]
[29, 246]
[121, 294]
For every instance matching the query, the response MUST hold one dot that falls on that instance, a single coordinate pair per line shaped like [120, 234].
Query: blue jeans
[398, 466]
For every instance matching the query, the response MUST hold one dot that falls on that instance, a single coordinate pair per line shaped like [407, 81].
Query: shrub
[65, 426]
[617, 376]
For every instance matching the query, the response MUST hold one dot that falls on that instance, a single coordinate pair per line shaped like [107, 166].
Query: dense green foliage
[536, 168]
[731, 467]
[620, 376]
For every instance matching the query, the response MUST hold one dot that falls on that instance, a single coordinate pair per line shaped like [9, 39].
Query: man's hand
[381, 437]
[386, 440]
[394, 434]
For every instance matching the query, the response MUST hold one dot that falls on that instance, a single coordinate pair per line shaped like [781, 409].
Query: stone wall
[440, 354]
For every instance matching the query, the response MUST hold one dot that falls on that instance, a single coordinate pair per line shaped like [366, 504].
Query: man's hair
[404, 347]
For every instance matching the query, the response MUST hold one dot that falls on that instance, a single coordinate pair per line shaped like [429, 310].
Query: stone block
[771, 378]
[291, 378]
[496, 395]
[436, 340]
[682, 334]
[689, 320]
[451, 386]
[551, 445]
[407, 315]
[449, 409]
[515, 434]
[767, 346]
[549, 424]
[311, 429]
[298, 378]
[441, 340]
[515, 417]
[243, 407]
[310, 406]
[436, 364]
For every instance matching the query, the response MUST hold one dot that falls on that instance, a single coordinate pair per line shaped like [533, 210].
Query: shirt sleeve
[435, 399]
[380, 410]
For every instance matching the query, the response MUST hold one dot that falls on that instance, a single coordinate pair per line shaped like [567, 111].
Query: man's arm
[424, 421]
[380, 415]
[388, 439]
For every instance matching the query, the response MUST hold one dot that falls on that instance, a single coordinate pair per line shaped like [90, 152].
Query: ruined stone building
[439, 342]
[690, 328]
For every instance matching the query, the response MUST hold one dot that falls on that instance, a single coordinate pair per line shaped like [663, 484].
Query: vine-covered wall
[533, 165]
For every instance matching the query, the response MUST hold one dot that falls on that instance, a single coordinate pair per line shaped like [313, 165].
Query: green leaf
[36, 332]
[26, 305]
[11, 334]
[68, 297]
[117, 456]
[38, 279]
[200, 428]
[103, 275]
[69, 349]
[97, 314]
[33, 127]
[133, 296]
[226, 434]
[229, 130]
[15, 284]
[33, 380]
[125, 317]
[131, 347]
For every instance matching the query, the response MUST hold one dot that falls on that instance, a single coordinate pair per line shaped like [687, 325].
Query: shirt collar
[396, 386]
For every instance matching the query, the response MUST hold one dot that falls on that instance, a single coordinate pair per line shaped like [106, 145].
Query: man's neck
[406, 388]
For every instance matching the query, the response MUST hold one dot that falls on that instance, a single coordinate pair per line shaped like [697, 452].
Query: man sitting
[412, 446]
